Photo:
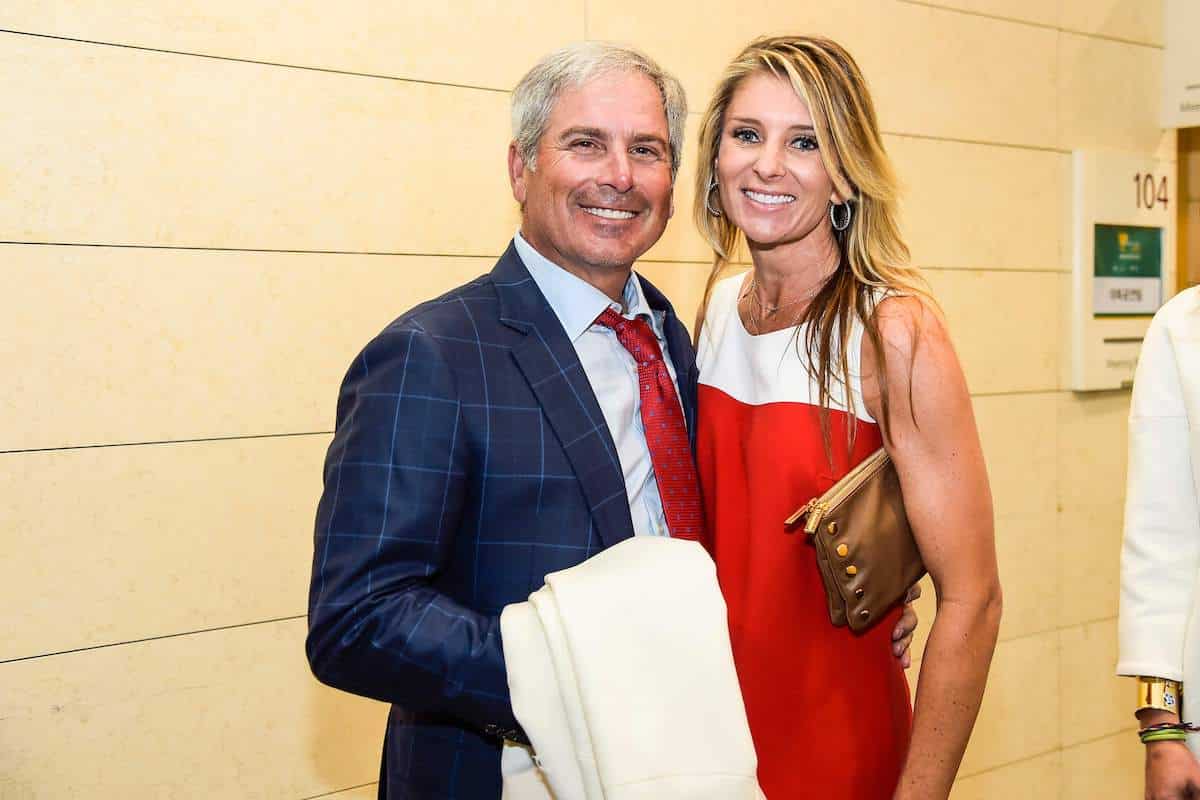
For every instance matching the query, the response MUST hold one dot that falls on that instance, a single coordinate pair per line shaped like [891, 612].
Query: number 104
[1150, 190]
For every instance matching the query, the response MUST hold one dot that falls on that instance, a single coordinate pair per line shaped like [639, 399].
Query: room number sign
[1123, 258]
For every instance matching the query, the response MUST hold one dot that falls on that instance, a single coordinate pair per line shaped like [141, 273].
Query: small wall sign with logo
[1122, 264]
[1127, 272]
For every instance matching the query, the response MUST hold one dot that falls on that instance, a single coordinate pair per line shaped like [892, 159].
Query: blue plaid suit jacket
[470, 459]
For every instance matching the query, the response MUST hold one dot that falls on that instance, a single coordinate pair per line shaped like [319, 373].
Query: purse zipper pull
[813, 510]
[816, 510]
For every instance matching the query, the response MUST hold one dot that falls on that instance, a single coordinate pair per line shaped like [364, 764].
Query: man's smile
[609, 213]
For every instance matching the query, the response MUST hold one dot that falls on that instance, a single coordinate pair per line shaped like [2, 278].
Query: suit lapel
[549, 363]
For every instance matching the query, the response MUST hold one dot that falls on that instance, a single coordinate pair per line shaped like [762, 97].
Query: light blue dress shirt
[611, 371]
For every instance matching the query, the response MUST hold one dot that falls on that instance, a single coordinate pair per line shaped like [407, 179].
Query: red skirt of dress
[829, 709]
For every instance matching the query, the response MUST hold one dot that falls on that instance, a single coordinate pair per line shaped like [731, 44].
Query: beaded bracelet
[1166, 732]
[1170, 726]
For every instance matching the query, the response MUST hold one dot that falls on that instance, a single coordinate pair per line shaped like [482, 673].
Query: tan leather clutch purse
[865, 547]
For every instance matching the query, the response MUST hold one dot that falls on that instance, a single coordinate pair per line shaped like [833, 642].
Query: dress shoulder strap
[722, 306]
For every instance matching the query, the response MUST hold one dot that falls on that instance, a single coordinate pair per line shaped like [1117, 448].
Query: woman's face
[773, 183]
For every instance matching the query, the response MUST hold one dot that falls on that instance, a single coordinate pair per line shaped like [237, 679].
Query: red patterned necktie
[666, 434]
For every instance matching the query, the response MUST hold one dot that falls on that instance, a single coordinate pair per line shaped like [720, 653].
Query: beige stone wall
[1189, 224]
[206, 210]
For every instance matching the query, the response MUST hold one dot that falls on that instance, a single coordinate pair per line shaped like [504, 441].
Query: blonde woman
[826, 349]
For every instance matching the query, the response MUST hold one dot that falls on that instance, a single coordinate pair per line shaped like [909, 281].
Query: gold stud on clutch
[842, 550]
[851, 570]
[832, 529]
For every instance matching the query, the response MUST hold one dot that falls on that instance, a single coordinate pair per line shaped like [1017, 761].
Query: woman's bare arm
[935, 446]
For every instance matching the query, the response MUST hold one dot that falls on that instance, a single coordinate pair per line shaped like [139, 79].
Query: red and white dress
[829, 709]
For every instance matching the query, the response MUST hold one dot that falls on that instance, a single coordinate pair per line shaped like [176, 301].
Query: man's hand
[1171, 772]
[903, 634]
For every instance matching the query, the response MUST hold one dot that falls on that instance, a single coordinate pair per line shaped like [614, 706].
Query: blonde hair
[873, 255]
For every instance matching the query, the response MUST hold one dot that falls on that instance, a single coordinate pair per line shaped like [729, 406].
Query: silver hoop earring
[833, 207]
[712, 184]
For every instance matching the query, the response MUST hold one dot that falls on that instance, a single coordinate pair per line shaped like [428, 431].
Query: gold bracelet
[1160, 694]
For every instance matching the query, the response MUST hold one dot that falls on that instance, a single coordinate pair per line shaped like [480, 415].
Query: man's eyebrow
[650, 137]
[582, 130]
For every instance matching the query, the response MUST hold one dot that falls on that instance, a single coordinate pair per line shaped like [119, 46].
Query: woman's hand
[1171, 772]
[902, 635]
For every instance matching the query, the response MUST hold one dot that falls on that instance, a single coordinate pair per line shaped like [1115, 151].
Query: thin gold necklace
[766, 311]
[770, 311]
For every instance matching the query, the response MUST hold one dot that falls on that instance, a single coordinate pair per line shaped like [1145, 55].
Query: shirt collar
[576, 302]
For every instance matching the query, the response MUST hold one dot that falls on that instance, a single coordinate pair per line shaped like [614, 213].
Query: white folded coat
[621, 674]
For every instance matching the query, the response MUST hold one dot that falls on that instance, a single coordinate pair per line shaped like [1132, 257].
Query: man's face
[601, 194]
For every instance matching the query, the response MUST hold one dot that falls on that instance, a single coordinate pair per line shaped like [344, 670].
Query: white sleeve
[1161, 551]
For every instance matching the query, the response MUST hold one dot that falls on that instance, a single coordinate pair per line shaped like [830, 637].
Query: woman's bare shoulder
[908, 323]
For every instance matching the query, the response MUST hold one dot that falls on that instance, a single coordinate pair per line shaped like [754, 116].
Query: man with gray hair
[496, 434]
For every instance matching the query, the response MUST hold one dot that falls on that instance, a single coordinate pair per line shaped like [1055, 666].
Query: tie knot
[635, 335]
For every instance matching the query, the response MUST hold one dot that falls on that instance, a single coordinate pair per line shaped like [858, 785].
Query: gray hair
[534, 97]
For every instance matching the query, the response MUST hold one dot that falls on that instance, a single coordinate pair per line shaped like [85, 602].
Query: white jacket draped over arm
[622, 676]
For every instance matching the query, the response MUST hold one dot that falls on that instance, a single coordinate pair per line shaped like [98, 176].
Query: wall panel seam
[1128, 727]
[1043, 754]
[1037, 148]
[1114, 39]
[1014, 762]
[1058, 663]
[495, 255]
[1049, 392]
[1046, 631]
[339, 791]
[1000, 270]
[282, 250]
[233, 438]
[1022, 515]
[1032, 24]
[1006, 764]
[1093, 740]
[1018, 392]
[237, 60]
[1087, 622]
[145, 639]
